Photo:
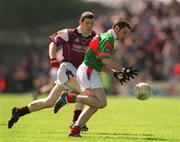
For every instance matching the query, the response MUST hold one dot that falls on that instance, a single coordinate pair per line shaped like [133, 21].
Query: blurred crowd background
[153, 46]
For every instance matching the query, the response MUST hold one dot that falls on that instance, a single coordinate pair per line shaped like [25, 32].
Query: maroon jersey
[73, 43]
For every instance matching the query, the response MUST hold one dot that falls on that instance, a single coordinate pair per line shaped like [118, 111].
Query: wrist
[54, 63]
[115, 73]
[53, 59]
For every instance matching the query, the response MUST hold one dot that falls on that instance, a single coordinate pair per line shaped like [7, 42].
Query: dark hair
[86, 14]
[121, 24]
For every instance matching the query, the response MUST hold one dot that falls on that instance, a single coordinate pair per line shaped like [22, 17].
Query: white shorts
[93, 81]
[65, 72]
[53, 74]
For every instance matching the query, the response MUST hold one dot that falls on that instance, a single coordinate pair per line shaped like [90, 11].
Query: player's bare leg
[52, 97]
[72, 98]
[77, 127]
[87, 97]
[88, 112]
[78, 106]
[77, 111]
[85, 116]
[46, 102]
[36, 105]
[94, 98]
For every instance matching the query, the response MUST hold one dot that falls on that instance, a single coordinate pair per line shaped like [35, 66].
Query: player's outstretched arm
[109, 63]
[122, 74]
[107, 70]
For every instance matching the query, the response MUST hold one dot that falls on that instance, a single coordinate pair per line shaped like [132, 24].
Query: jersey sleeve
[60, 37]
[104, 50]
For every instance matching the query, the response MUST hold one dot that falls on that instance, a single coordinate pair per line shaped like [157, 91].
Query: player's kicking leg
[35, 105]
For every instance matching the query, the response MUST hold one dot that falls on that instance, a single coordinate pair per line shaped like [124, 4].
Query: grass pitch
[123, 120]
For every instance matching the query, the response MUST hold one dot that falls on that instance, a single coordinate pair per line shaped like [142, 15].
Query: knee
[102, 105]
[48, 104]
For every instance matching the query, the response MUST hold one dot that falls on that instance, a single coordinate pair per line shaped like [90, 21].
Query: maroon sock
[76, 115]
[71, 97]
[23, 111]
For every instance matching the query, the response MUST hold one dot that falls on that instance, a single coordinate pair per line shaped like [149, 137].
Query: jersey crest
[109, 45]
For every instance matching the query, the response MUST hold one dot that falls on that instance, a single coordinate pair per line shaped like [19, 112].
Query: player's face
[87, 26]
[121, 33]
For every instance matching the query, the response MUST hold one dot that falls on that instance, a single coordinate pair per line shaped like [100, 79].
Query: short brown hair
[121, 24]
[86, 14]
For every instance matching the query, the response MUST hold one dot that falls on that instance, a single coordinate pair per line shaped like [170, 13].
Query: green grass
[123, 120]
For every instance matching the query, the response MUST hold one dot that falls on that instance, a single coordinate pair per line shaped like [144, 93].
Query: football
[142, 91]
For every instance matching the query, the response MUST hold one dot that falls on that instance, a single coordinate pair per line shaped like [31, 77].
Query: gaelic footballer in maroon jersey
[74, 44]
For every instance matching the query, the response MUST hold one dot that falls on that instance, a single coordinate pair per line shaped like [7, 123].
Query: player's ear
[80, 22]
[117, 28]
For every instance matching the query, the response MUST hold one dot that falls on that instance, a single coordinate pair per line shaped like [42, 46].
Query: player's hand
[130, 72]
[54, 63]
[120, 76]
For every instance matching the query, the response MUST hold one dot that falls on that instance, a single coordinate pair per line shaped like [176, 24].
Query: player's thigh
[88, 92]
[54, 94]
[72, 82]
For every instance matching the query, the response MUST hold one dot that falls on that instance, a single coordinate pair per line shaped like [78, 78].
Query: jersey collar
[79, 31]
[113, 33]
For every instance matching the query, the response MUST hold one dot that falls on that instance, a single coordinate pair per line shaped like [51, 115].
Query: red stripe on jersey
[89, 70]
[94, 44]
[109, 45]
[103, 54]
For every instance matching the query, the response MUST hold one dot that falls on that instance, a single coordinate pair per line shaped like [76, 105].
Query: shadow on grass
[3, 124]
[147, 137]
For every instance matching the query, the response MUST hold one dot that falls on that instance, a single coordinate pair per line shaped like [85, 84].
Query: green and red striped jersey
[100, 47]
